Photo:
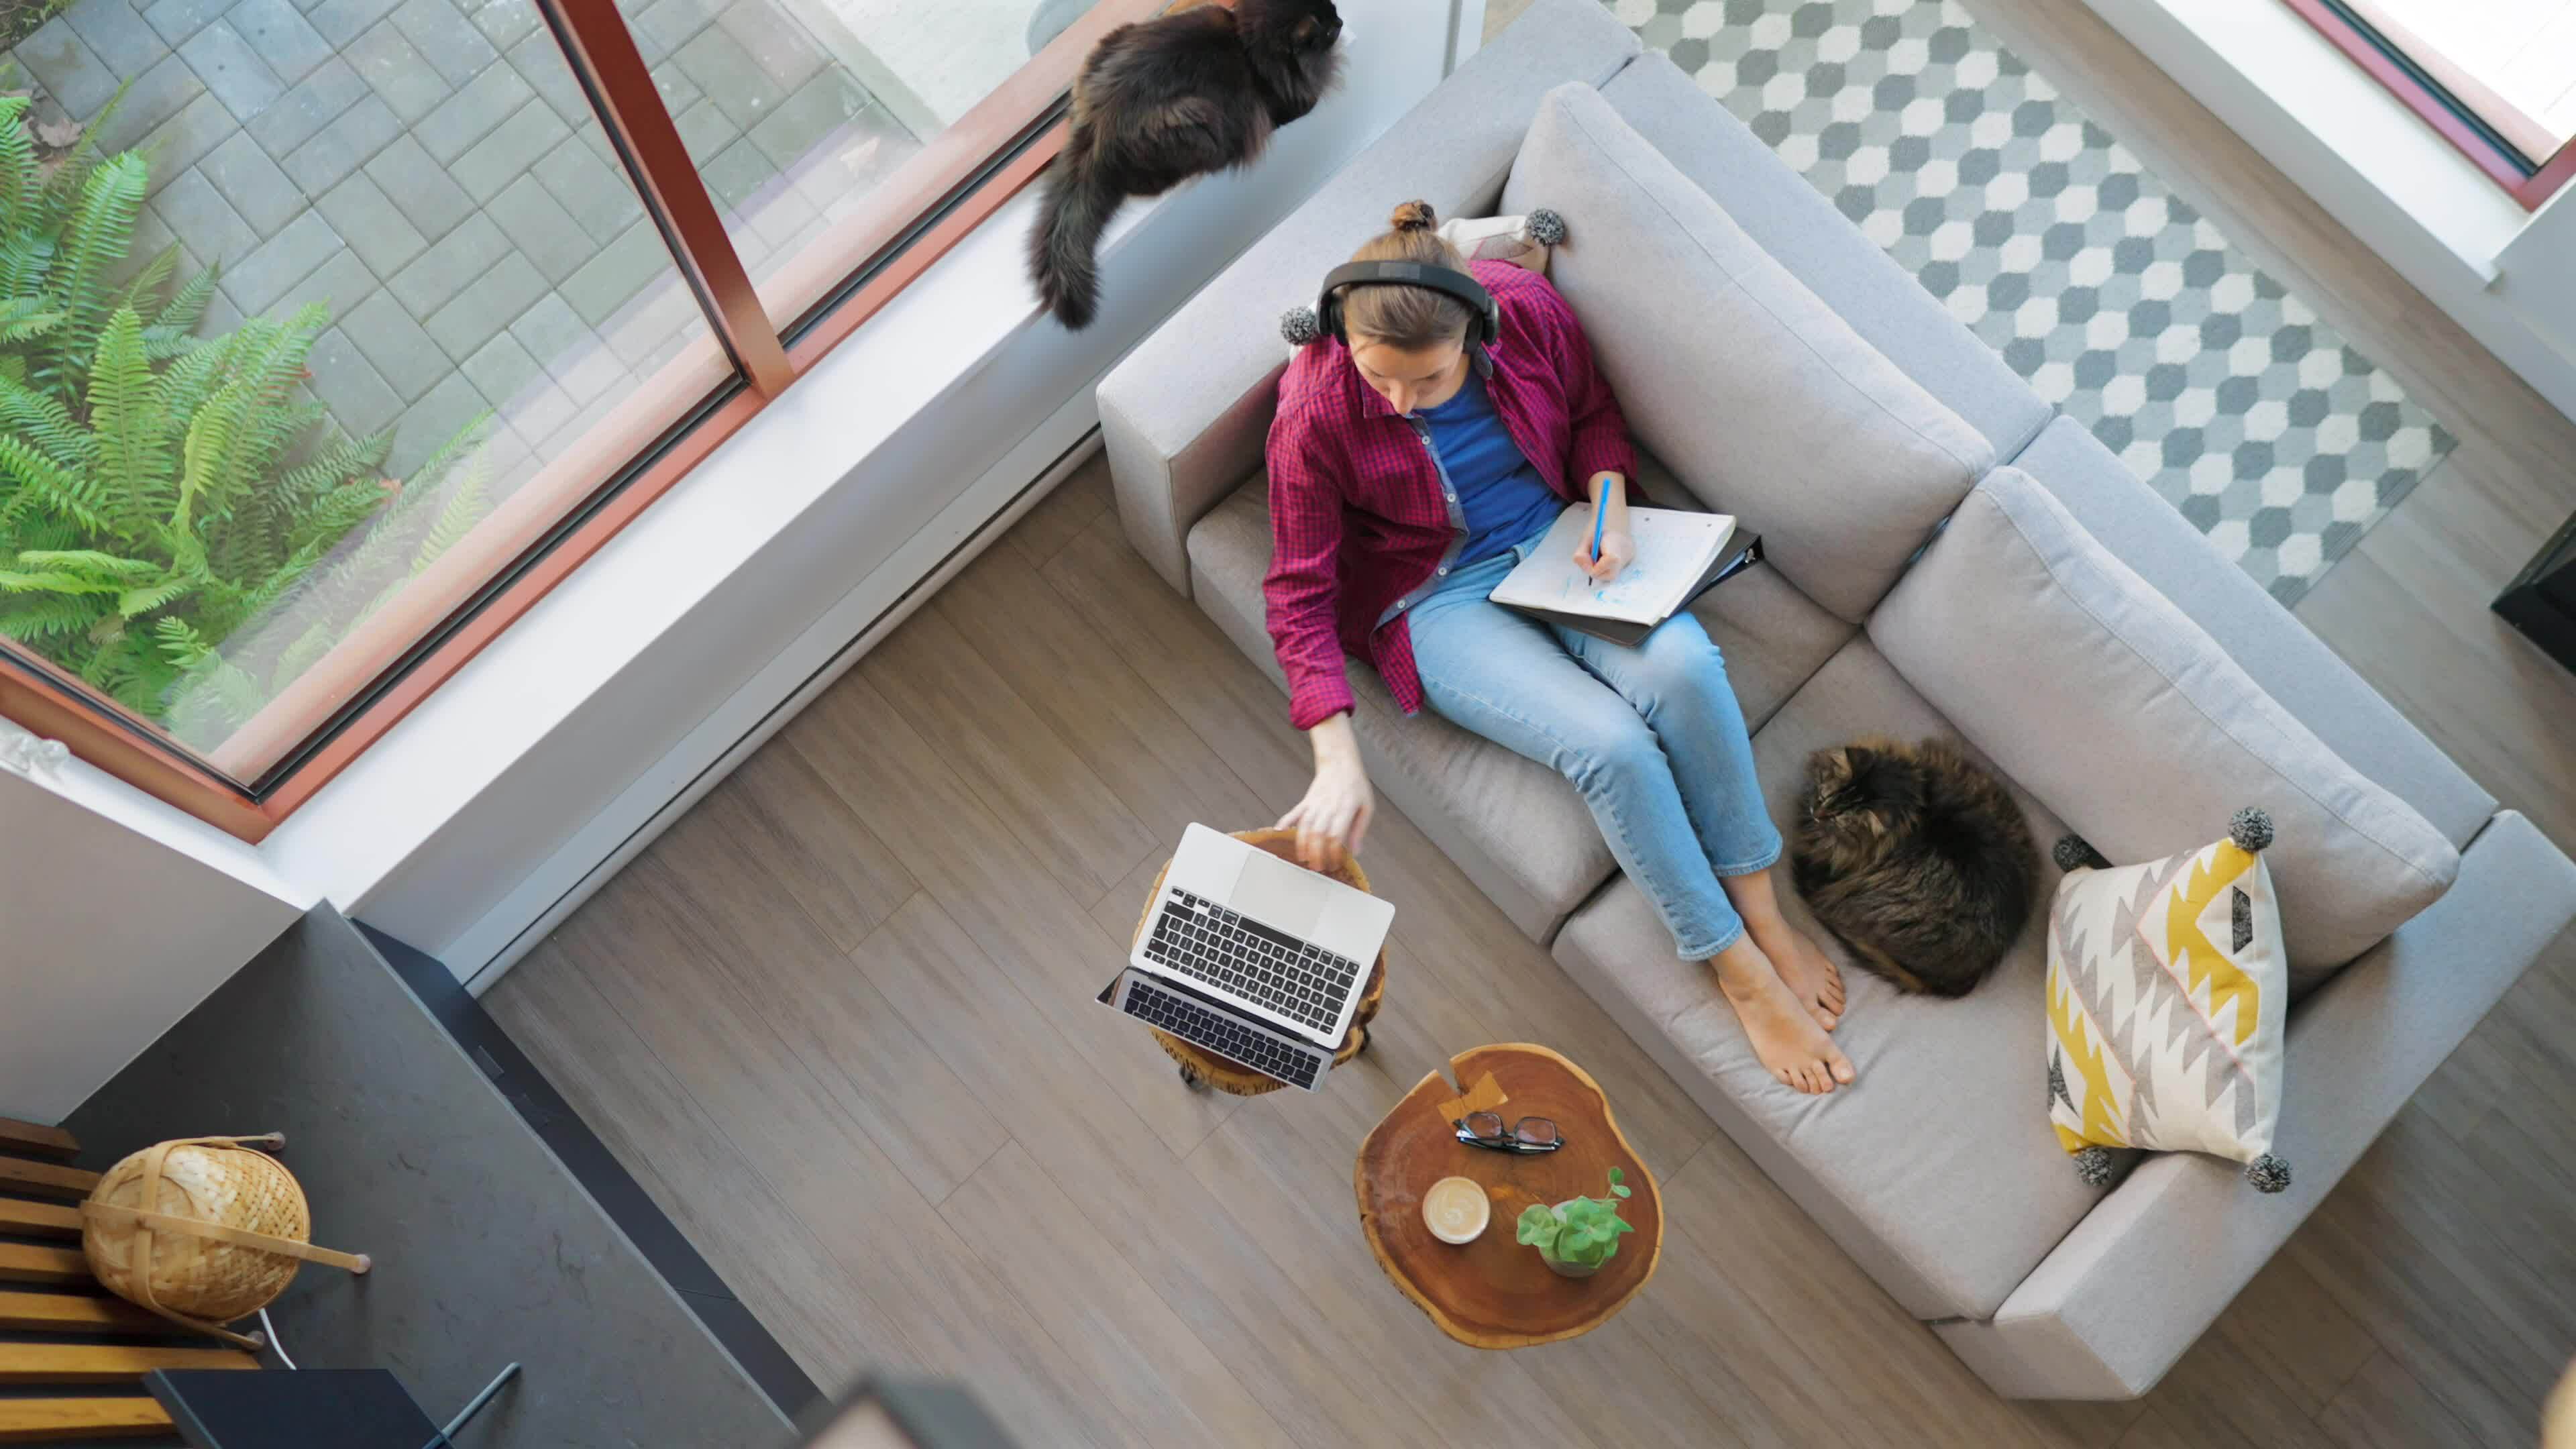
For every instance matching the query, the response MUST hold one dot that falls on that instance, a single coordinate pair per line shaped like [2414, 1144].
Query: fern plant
[162, 493]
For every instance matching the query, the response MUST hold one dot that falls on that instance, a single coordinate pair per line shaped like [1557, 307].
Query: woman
[1409, 472]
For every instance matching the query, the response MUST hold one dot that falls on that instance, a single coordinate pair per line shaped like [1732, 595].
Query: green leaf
[143, 601]
[60, 194]
[45, 486]
[101, 229]
[41, 618]
[17, 161]
[150, 278]
[188, 304]
[133, 461]
[15, 582]
[27, 412]
[89, 559]
[465, 508]
[1538, 1227]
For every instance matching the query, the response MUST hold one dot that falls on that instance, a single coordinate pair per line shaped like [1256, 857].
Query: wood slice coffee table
[1494, 1292]
[1204, 1069]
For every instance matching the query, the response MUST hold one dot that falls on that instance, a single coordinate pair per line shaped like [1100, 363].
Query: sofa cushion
[1798, 224]
[2292, 665]
[2137, 728]
[1764, 401]
[1515, 826]
[2168, 1004]
[1937, 1169]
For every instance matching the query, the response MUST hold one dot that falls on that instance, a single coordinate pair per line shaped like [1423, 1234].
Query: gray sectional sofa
[1948, 557]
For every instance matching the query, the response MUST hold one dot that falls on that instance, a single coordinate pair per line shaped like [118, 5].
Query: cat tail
[1079, 203]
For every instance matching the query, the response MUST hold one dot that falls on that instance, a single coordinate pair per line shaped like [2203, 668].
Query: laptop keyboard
[1205, 942]
[1201, 1027]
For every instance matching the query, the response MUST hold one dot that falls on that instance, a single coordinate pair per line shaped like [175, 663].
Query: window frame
[372, 679]
[2414, 82]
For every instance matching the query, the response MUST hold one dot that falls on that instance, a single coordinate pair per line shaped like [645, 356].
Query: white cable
[271, 1330]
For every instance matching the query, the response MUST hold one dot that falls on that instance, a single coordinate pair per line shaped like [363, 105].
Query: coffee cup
[1456, 1210]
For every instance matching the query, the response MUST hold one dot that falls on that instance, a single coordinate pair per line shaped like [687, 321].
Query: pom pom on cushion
[2168, 989]
[1300, 326]
[2093, 1164]
[2251, 828]
[1520, 240]
[2074, 853]
[2268, 1173]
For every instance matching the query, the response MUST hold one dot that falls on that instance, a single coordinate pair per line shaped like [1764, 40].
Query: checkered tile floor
[2118, 301]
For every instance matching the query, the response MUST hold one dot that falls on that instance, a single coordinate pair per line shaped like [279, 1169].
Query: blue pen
[1600, 517]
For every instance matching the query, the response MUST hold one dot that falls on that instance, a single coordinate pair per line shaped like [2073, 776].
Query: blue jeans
[1651, 736]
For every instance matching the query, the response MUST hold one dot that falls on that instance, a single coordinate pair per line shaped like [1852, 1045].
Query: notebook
[1680, 556]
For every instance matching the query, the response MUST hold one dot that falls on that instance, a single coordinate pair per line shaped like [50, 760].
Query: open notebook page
[1674, 549]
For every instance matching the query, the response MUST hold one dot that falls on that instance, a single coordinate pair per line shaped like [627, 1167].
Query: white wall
[512, 782]
[2538, 276]
[2507, 277]
[107, 938]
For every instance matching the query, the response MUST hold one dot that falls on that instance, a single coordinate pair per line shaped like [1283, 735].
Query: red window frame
[2506, 168]
[434, 628]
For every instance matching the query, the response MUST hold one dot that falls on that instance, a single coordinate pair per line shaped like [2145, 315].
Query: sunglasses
[1530, 1134]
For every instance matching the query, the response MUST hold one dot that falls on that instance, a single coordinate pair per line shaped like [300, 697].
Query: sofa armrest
[2154, 1264]
[1185, 415]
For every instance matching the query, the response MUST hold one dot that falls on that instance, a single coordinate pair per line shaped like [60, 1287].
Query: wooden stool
[1205, 1069]
[1495, 1292]
[66, 1347]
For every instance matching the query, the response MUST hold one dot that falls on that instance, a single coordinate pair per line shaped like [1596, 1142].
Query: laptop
[1253, 958]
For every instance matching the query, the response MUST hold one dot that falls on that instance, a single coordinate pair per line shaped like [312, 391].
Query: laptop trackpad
[1279, 895]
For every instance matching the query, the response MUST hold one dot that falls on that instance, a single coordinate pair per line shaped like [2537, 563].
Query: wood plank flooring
[832, 1021]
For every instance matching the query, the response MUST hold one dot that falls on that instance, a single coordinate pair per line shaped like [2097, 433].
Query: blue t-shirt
[1499, 491]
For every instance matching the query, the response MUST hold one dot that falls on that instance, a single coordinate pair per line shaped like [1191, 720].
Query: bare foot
[1811, 974]
[1784, 1035]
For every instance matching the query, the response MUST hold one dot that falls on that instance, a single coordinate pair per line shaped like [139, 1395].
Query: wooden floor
[834, 1021]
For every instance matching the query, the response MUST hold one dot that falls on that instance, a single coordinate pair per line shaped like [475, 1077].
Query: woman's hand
[1618, 545]
[1334, 817]
[1618, 550]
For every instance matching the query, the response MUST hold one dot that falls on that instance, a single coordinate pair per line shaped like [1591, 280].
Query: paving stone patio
[430, 169]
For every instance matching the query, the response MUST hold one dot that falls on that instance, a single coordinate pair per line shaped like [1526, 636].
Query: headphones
[1489, 314]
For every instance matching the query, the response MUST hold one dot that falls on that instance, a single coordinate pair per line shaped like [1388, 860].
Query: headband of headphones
[1328, 307]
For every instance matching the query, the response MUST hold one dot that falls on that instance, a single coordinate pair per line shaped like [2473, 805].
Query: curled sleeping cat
[1917, 859]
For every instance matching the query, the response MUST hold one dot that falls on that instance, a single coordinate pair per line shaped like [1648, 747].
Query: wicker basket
[202, 1231]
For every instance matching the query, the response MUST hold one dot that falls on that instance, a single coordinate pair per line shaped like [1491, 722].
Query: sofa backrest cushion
[1765, 402]
[2130, 723]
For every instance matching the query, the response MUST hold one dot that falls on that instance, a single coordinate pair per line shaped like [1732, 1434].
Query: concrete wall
[107, 938]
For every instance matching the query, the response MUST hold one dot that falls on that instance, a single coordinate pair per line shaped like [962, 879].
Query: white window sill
[2281, 64]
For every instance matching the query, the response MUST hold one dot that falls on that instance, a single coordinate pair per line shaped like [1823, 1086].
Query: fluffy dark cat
[1162, 101]
[1917, 859]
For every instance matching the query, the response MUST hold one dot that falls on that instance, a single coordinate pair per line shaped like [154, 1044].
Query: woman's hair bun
[1413, 216]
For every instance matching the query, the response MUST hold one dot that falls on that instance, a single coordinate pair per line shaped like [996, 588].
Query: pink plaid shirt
[1358, 522]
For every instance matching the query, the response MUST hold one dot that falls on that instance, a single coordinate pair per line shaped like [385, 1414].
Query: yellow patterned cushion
[2167, 989]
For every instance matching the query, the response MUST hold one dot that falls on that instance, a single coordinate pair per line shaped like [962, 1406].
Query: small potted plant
[1577, 1236]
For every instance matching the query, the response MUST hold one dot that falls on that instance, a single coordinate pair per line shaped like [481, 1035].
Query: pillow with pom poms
[1522, 241]
[2168, 987]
